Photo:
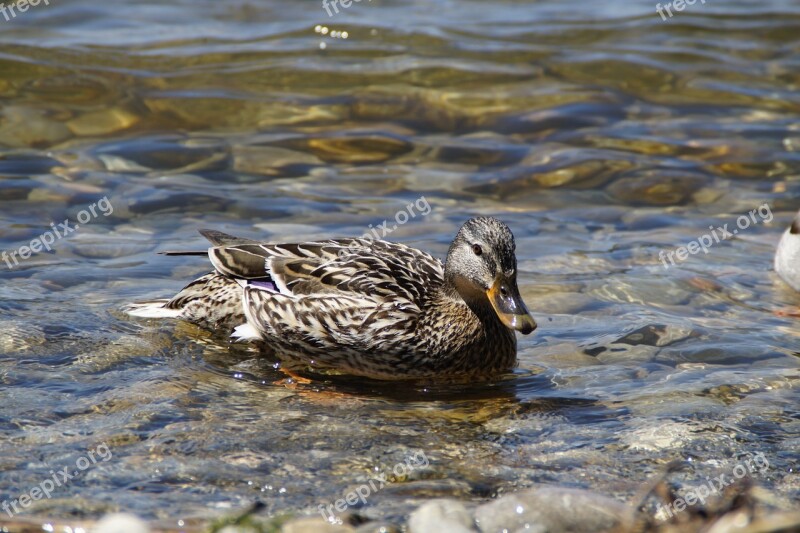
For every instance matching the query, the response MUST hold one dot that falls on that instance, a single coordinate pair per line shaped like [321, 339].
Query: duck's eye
[477, 249]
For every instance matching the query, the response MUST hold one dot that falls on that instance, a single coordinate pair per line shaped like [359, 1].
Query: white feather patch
[154, 309]
[245, 332]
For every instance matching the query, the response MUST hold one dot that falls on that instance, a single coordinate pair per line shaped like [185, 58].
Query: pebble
[120, 523]
[270, 160]
[656, 189]
[314, 525]
[353, 149]
[378, 527]
[441, 516]
[550, 509]
[23, 127]
[658, 439]
[102, 122]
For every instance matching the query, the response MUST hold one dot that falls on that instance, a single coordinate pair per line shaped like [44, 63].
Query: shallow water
[601, 134]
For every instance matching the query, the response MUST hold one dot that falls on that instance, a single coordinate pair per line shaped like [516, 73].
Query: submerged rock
[102, 122]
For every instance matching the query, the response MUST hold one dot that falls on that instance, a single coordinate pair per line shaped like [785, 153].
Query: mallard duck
[366, 307]
[787, 258]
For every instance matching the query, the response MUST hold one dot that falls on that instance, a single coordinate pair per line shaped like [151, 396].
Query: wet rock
[74, 88]
[645, 189]
[659, 292]
[25, 127]
[640, 146]
[568, 116]
[12, 164]
[550, 509]
[102, 122]
[16, 190]
[657, 335]
[271, 160]
[378, 527]
[433, 488]
[441, 515]
[107, 246]
[164, 153]
[20, 337]
[549, 301]
[745, 169]
[314, 525]
[161, 200]
[361, 148]
[557, 178]
[482, 151]
[120, 164]
[617, 72]
[420, 108]
[657, 438]
[557, 168]
[639, 345]
[120, 523]
[627, 354]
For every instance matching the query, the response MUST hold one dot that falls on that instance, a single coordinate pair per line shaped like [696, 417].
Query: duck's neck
[466, 334]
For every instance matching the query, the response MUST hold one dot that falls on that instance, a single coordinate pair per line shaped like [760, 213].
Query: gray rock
[378, 527]
[314, 525]
[120, 523]
[441, 516]
[550, 509]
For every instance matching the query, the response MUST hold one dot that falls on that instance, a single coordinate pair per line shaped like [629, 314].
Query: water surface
[599, 133]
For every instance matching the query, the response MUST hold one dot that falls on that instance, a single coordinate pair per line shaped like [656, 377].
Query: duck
[363, 306]
[787, 257]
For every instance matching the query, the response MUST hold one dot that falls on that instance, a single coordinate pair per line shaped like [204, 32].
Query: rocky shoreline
[742, 507]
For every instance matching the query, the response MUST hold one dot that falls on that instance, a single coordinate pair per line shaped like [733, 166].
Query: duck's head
[787, 258]
[482, 268]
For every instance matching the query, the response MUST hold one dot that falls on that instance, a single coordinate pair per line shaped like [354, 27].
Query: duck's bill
[510, 308]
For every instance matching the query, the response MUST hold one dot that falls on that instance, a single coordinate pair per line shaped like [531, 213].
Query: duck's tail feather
[178, 252]
[217, 238]
[246, 332]
[152, 309]
[211, 301]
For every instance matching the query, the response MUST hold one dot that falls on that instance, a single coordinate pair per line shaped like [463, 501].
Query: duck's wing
[359, 268]
[332, 301]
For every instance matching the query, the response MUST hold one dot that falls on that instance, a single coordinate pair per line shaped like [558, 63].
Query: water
[601, 134]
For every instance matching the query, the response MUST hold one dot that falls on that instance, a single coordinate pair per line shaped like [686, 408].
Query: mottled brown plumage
[371, 308]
